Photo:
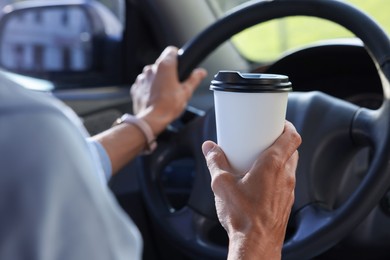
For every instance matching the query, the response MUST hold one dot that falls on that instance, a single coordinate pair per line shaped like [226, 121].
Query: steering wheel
[333, 133]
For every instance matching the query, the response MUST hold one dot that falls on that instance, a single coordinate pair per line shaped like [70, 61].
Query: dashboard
[342, 69]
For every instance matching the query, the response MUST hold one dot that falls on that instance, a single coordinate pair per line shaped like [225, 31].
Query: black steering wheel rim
[258, 11]
[331, 225]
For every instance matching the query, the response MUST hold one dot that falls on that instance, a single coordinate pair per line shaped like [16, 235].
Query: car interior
[340, 105]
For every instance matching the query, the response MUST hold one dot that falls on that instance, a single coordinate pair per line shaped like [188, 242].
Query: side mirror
[66, 42]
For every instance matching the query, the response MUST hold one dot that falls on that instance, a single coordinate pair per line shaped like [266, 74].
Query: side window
[117, 7]
[48, 40]
[71, 45]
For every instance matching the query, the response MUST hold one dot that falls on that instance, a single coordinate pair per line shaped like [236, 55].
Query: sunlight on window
[267, 41]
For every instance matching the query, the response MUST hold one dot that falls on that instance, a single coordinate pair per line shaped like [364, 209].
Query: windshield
[266, 42]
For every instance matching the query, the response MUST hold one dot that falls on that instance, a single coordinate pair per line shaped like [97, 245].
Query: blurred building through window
[56, 38]
[50, 39]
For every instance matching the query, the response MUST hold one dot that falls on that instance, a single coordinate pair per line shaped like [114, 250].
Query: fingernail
[207, 147]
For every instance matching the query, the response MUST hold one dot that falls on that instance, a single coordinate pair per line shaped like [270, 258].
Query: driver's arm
[254, 207]
[158, 99]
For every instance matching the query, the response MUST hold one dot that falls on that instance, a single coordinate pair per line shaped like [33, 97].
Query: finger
[290, 178]
[286, 144]
[165, 67]
[169, 54]
[193, 81]
[292, 163]
[147, 68]
[134, 88]
[290, 169]
[275, 158]
[221, 178]
[215, 157]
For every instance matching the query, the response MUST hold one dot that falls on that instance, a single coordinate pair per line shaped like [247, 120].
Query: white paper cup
[250, 111]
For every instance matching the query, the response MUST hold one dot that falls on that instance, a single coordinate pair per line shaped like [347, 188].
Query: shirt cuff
[104, 159]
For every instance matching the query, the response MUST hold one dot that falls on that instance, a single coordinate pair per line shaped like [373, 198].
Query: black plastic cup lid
[235, 81]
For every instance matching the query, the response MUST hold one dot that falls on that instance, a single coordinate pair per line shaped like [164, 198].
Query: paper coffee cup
[250, 111]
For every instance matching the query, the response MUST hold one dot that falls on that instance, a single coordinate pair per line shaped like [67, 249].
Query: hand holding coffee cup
[250, 111]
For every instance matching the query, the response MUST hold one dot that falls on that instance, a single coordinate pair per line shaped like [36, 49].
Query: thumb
[215, 158]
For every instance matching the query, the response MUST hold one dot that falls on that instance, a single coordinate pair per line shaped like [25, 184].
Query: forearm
[125, 141]
[122, 144]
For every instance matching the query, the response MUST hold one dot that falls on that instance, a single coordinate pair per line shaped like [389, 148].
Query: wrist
[252, 245]
[156, 120]
[144, 127]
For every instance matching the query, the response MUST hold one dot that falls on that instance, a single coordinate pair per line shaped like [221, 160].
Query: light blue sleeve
[103, 156]
[52, 201]
[59, 208]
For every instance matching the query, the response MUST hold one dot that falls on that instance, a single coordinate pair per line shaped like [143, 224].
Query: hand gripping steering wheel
[317, 222]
